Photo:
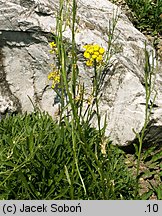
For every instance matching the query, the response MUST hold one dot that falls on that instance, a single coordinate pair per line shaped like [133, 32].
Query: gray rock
[25, 28]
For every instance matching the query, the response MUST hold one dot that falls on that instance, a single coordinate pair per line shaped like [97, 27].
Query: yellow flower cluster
[55, 77]
[53, 47]
[93, 53]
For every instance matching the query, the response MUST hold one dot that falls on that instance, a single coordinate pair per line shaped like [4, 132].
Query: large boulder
[25, 27]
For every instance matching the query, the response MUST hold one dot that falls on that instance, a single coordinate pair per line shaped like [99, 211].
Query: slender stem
[148, 90]
[95, 89]
[75, 119]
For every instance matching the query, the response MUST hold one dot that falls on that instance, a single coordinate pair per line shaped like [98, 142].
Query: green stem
[75, 119]
[148, 90]
[95, 89]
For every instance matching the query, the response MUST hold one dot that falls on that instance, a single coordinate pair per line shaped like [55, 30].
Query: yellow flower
[89, 62]
[94, 56]
[99, 58]
[52, 45]
[96, 47]
[55, 77]
[90, 50]
[96, 53]
[52, 51]
[86, 55]
[85, 46]
[93, 52]
[53, 48]
[101, 51]
[51, 75]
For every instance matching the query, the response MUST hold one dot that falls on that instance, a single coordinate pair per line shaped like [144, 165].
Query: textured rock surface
[25, 26]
